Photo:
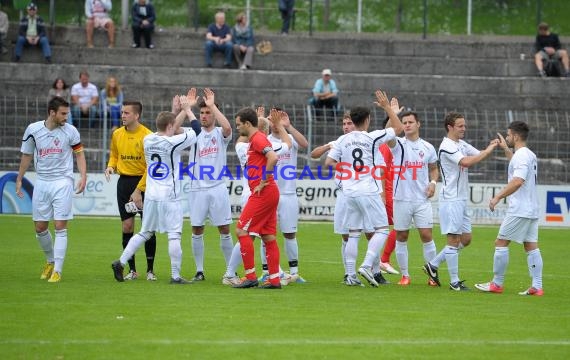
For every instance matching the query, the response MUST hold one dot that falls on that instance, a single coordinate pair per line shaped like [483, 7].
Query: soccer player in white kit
[209, 197]
[364, 207]
[51, 143]
[521, 223]
[415, 177]
[455, 157]
[163, 196]
[288, 209]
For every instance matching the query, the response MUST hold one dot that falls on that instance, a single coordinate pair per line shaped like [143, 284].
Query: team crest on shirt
[421, 154]
[55, 149]
[56, 142]
[214, 141]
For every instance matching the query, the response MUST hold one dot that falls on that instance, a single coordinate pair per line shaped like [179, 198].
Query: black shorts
[125, 187]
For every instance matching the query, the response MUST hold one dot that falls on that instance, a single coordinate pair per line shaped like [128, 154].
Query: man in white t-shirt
[208, 196]
[455, 157]
[163, 196]
[415, 175]
[84, 99]
[50, 144]
[359, 168]
[521, 223]
[288, 209]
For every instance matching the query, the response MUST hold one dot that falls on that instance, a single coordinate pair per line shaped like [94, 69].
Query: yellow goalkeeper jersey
[127, 153]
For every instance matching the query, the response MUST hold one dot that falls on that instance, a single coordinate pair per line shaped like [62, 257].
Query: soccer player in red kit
[259, 216]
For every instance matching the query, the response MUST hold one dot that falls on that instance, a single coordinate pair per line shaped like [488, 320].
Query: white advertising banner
[316, 199]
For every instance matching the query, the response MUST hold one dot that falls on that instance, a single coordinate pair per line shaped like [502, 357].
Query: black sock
[150, 250]
[126, 238]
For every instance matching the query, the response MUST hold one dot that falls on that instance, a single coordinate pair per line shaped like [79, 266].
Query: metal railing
[550, 131]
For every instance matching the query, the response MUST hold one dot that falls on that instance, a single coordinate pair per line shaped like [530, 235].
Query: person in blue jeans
[32, 31]
[219, 38]
[286, 8]
[112, 101]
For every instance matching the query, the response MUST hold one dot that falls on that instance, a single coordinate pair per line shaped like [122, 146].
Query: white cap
[327, 72]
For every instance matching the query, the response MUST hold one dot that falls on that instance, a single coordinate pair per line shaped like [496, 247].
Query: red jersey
[256, 160]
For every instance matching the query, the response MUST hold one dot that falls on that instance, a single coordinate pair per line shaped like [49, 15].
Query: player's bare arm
[220, 118]
[394, 122]
[510, 188]
[299, 138]
[82, 166]
[395, 105]
[433, 177]
[24, 165]
[469, 161]
[320, 150]
[503, 144]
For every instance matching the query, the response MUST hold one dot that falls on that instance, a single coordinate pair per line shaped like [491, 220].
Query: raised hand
[285, 121]
[502, 142]
[381, 99]
[192, 97]
[260, 111]
[184, 102]
[176, 104]
[395, 105]
[209, 97]
[276, 117]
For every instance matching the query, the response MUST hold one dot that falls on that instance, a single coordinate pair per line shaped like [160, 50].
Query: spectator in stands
[548, 47]
[59, 88]
[242, 35]
[325, 92]
[112, 101]
[97, 13]
[143, 23]
[286, 8]
[3, 31]
[219, 38]
[84, 99]
[32, 31]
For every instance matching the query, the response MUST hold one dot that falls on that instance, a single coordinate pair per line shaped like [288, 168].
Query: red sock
[248, 256]
[389, 247]
[272, 256]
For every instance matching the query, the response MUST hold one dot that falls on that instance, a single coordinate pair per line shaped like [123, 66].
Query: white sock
[452, 258]
[175, 252]
[402, 257]
[430, 251]
[134, 244]
[374, 246]
[343, 254]
[59, 249]
[534, 260]
[235, 260]
[46, 244]
[500, 262]
[262, 254]
[351, 252]
[376, 265]
[292, 249]
[227, 246]
[438, 259]
[198, 251]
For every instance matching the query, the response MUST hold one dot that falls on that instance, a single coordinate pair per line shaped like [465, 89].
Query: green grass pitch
[91, 316]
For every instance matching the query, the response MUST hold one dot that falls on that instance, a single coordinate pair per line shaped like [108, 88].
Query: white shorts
[101, 21]
[52, 200]
[288, 213]
[211, 203]
[420, 212]
[519, 229]
[365, 213]
[162, 216]
[453, 217]
[339, 212]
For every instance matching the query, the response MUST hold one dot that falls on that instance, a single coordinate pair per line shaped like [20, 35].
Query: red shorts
[259, 216]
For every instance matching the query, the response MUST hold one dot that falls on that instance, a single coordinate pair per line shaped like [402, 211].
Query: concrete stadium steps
[282, 61]
[287, 87]
[324, 43]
